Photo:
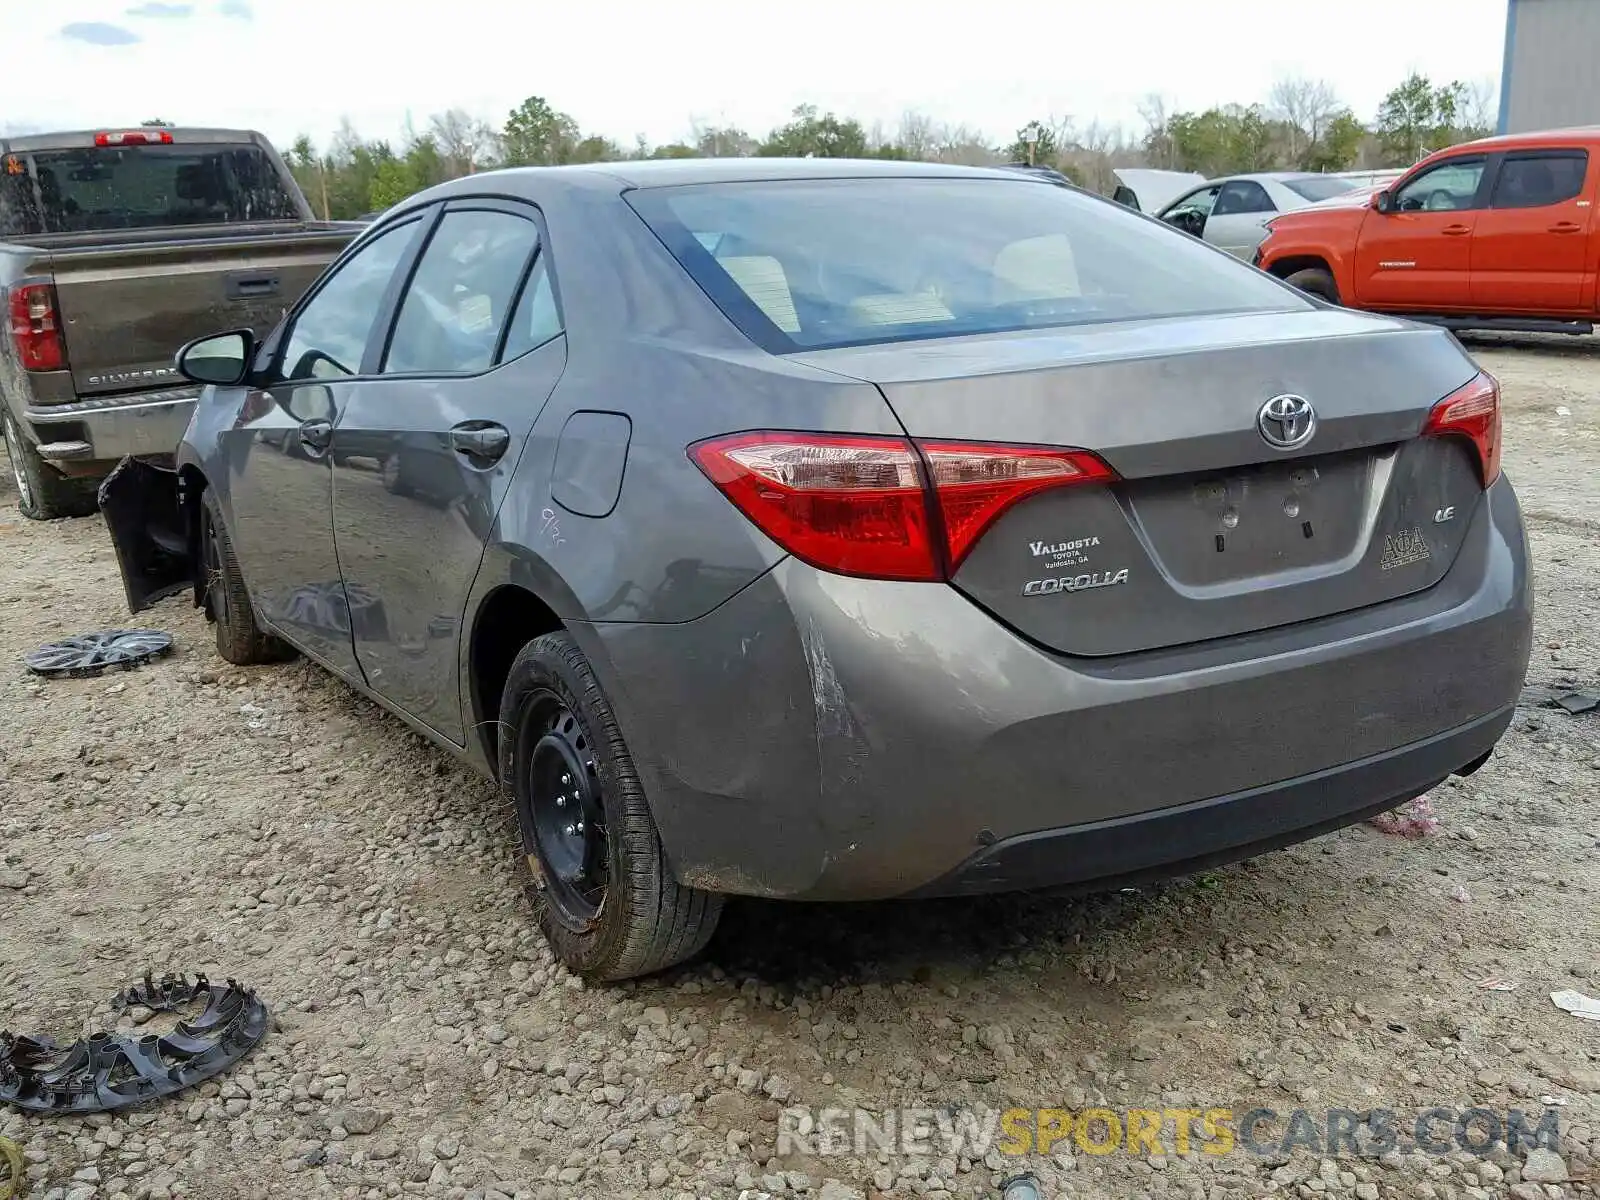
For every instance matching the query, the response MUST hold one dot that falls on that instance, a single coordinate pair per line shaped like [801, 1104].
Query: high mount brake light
[35, 327]
[1473, 412]
[882, 507]
[134, 137]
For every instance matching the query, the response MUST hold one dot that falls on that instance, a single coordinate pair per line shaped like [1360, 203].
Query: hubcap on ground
[563, 808]
[14, 454]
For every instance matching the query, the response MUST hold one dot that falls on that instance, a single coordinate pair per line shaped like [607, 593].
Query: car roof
[672, 172]
[1533, 140]
[1272, 176]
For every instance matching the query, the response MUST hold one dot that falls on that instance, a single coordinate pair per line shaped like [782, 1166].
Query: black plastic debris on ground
[91, 653]
[104, 1073]
[1575, 701]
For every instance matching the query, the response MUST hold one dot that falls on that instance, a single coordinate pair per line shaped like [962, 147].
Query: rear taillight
[975, 482]
[134, 137]
[882, 507]
[1472, 412]
[35, 329]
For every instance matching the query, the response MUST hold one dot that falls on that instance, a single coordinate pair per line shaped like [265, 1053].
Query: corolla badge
[1074, 583]
[1286, 422]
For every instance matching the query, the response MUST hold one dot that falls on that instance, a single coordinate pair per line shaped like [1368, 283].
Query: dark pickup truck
[116, 248]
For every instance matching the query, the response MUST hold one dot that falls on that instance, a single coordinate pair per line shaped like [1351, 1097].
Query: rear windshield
[1323, 187]
[820, 263]
[139, 187]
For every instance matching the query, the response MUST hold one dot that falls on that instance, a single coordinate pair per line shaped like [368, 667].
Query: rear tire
[604, 896]
[44, 493]
[239, 639]
[1315, 281]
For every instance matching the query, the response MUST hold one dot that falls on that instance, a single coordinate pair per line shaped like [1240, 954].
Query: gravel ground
[266, 823]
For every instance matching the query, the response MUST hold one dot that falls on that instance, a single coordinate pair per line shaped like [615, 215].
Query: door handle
[1566, 227]
[251, 285]
[1456, 230]
[480, 440]
[315, 435]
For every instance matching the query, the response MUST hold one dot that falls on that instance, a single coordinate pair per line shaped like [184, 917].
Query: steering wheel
[1440, 201]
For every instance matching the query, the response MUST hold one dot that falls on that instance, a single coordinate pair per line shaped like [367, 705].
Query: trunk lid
[1211, 531]
[127, 303]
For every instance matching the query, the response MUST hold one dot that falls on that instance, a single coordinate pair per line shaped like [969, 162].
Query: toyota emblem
[1286, 422]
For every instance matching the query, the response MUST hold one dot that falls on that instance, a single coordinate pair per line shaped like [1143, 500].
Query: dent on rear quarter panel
[727, 718]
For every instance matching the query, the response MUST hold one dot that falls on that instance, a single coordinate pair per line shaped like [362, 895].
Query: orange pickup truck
[1493, 234]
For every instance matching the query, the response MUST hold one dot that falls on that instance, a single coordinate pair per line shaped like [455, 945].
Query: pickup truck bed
[100, 300]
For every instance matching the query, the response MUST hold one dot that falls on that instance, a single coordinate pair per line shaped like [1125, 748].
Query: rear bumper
[89, 437]
[1195, 837]
[818, 737]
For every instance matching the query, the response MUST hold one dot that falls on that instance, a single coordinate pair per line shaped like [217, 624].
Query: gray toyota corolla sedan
[838, 530]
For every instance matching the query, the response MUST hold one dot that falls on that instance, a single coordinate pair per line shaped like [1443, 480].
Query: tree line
[1302, 125]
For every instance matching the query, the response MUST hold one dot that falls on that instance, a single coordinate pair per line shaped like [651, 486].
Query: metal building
[1548, 78]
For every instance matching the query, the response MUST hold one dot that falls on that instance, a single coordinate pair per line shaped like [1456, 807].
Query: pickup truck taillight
[35, 330]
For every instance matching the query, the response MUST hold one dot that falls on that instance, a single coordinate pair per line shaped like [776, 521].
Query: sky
[624, 68]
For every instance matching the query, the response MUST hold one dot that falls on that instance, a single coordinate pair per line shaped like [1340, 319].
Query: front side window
[803, 264]
[1200, 203]
[1448, 187]
[1243, 196]
[458, 298]
[330, 334]
[1537, 180]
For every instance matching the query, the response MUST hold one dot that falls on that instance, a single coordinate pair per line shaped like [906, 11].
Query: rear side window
[536, 319]
[1535, 180]
[460, 293]
[1324, 187]
[819, 263]
[139, 187]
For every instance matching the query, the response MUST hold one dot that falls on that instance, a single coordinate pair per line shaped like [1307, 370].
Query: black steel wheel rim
[563, 811]
[218, 601]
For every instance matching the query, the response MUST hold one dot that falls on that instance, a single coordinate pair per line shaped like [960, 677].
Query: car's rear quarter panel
[644, 341]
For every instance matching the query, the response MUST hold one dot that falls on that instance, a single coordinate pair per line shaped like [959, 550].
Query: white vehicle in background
[1232, 213]
[1148, 190]
[1371, 179]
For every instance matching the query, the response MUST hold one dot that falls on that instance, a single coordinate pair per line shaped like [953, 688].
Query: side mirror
[1383, 201]
[222, 358]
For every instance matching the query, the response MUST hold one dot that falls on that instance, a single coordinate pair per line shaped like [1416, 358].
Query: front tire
[43, 493]
[1315, 281]
[240, 640]
[602, 891]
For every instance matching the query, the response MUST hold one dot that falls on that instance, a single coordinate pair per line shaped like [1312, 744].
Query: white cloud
[634, 66]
